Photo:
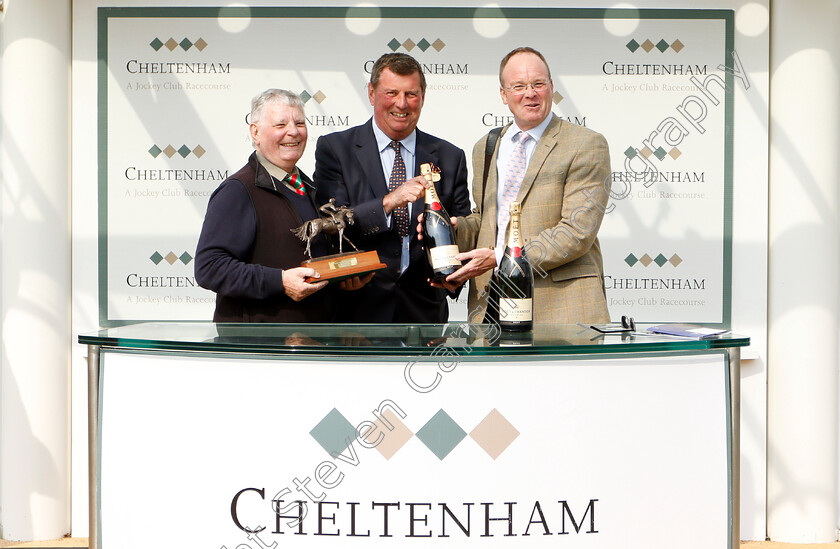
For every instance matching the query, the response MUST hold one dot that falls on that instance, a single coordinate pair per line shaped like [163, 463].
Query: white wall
[805, 266]
[34, 269]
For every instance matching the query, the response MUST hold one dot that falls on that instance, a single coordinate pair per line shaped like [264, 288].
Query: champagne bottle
[515, 280]
[516, 339]
[438, 234]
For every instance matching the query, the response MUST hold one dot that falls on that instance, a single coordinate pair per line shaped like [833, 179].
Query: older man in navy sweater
[247, 252]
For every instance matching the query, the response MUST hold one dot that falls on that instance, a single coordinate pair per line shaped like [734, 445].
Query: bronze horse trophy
[334, 220]
[340, 218]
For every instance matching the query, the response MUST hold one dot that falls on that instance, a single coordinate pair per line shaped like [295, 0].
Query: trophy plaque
[334, 220]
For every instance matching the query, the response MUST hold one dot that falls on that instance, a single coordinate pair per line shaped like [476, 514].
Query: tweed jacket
[564, 195]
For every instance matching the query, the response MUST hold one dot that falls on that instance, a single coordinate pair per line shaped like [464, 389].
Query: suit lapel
[367, 154]
[545, 145]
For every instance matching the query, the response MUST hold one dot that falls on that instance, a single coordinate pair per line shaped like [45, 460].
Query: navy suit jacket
[348, 168]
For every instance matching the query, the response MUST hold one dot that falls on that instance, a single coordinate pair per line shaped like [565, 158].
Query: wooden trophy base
[340, 266]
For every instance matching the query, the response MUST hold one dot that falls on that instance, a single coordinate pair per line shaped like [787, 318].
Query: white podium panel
[232, 452]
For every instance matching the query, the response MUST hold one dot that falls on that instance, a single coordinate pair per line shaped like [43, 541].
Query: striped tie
[513, 181]
[296, 182]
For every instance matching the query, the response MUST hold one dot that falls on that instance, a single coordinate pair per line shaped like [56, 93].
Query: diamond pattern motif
[391, 439]
[185, 44]
[660, 260]
[410, 44]
[171, 258]
[171, 151]
[494, 434]
[441, 434]
[334, 433]
[659, 153]
[662, 45]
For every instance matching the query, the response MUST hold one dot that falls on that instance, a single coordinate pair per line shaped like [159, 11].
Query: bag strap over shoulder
[492, 140]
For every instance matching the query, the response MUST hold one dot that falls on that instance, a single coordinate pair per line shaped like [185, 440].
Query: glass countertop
[391, 339]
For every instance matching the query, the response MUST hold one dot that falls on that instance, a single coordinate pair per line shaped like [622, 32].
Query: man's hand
[295, 285]
[298, 338]
[355, 282]
[353, 339]
[410, 191]
[453, 220]
[479, 261]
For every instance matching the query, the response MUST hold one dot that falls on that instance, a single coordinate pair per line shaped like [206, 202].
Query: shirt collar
[535, 132]
[382, 140]
[273, 170]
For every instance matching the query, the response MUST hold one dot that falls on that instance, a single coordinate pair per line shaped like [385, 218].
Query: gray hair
[273, 95]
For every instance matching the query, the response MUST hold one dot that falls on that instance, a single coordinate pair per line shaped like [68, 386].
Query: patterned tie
[397, 179]
[296, 182]
[513, 180]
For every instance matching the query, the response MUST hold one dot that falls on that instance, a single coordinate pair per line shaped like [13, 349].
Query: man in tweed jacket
[564, 194]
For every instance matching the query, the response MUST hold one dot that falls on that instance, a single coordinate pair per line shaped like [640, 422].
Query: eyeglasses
[520, 89]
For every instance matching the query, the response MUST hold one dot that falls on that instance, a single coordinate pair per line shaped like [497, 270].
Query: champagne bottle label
[515, 339]
[444, 256]
[515, 310]
[515, 279]
[438, 234]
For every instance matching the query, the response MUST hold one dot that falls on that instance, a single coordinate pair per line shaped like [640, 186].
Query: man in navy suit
[374, 169]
